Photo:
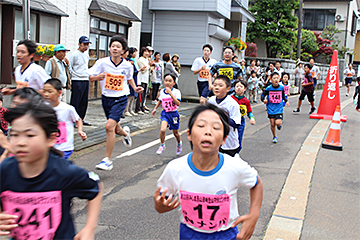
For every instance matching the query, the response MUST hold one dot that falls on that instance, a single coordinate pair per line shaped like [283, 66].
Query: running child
[308, 90]
[245, 107]
[114, 74]
[221, 87]
[273, 96]
[170, 99]
[285, 82]
[67, 117]
[43, 183]
[357, 93]
[252, 86]
[207, 174]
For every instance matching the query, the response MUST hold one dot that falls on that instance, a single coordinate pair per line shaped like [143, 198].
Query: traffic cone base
[343, 118]
[332, 147]
[333, 138]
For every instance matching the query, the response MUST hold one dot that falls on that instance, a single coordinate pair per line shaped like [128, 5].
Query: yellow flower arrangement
[237, 43]
[49, 50]
[39, 50]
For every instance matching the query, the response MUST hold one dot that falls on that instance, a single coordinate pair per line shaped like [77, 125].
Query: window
[94, 23]
[317, 19]
[354, 24]
[49, 29]
[121, 29]
[112, 27]
[18, 26]
[103, 25]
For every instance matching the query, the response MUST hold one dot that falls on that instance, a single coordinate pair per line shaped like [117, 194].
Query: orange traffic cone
[333, 138]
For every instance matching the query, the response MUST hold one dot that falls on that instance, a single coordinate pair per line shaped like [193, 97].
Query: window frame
[315, 12]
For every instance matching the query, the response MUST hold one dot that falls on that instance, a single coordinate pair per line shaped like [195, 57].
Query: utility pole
[298, 49]
[26, 19]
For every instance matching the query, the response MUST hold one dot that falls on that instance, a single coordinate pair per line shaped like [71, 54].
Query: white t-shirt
[33, 76]
[233, 110]
[230, 174]
[198, 63]
[315, 71]
[143, 76]
[67, 116]
[349, 73]
[115, 83]
[167, 101]
[280, 71]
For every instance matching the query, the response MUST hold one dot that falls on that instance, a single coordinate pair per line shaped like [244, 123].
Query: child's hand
[287, 104]
[139, 89]
[7, 222]
[162, 204]
[153, 113]
[265, 101]
[167, 90]
[82, 135]
[252, 121]
[85, 234]
[248, 223]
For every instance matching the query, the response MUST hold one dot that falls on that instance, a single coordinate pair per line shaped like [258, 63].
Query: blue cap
[60, 47]
[84, 39]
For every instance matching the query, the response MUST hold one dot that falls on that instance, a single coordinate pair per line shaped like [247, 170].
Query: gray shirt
[78, 65]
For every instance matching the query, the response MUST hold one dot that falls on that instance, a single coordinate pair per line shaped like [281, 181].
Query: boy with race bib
[207, 182]
[170, 98]
[114, 74]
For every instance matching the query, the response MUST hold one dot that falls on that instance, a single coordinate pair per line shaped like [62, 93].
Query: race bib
[21, 84]
[62, 133]
[204, 73]
[205, 211]
[229, 72]
[243, 110]
[275, 96]
[168, 104]
[312, 74]
[39, 213]
[349, 75]
[286, 89]
[114, 82]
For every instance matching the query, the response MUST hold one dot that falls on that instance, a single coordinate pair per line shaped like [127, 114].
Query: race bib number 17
[39, 213]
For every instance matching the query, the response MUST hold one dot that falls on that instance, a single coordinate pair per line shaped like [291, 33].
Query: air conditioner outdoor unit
[339, 18]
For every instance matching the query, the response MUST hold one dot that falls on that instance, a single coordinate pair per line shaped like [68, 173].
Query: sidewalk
[95, 115]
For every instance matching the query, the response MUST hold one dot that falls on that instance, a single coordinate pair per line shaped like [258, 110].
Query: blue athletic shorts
[114, 106]
[172, 118]
[203, 89]
[348, 81]
[189, 233]
[67, 154]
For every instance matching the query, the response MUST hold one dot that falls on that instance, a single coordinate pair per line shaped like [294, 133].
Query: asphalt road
[127, 211]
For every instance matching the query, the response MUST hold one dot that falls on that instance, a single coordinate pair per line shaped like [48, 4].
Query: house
[64, 21]
[183, 27]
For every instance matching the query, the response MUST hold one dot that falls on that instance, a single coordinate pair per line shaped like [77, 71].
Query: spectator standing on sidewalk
[78, 65]
[132, 95]
[315, 71]
[349, 73]
[299, 73]
[175, 61]
[158, 73]
[56, 67]
[143, 79]
[169, 68]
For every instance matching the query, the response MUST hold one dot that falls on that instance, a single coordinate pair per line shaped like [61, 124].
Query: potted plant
[48, 52]
[237, 43]
[39, 52]
[293, 90]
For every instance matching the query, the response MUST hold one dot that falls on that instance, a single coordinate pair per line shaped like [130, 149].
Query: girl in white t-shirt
[207, 182]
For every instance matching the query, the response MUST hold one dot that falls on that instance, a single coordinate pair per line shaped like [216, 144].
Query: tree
[325, 48]
[331, 32]
[275, 24]
[308, 44]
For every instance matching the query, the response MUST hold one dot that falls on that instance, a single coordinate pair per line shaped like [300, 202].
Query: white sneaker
[127, 114]
[154, 102]
[133, 113]
[127, 140]
[105, 164]
[146, 111]
[140, 112]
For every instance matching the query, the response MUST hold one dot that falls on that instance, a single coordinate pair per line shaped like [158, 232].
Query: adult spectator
[299, 73]
[158, 73]
[349, 73]
[315, 71]
[202, 66]
[143, 79]
[57, 68]
[78, 65]
[169, 68]
[175, 61]
[252, 67]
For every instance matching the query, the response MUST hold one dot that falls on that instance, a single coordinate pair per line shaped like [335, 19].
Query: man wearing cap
[57, 68]
[78, 65]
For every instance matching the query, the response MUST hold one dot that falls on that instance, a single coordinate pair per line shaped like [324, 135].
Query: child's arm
[156, 107]
[79, 123]
[263, 96]
[137, 89]
[285, 99]
[251, 117]
[249, 220]
[99, 77]
[93, 210]
[162, 203]
[7, 222]
[176, 101]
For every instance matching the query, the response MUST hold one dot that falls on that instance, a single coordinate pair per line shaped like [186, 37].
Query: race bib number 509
[205, 211]
[114, 82]
[39, 213]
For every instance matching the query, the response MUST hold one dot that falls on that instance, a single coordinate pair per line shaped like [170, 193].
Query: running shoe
[255, 101]
[161, 149]
[275, 140]
[127, 139]
[279, 127]
[179, 148]
[105, 164]
[133, 113]
[296, 110]
[127, 114]
[312, 110]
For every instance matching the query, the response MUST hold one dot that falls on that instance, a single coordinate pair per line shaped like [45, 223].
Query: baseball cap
[150, 48]
[60, 47]
[84, 39]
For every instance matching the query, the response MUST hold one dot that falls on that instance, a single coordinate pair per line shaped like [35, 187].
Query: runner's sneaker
[179, 148]
[279, 127]
[127, 139]
[105, 164]
[275, 140]
[296, 110]
[161, 149]
[312, 110]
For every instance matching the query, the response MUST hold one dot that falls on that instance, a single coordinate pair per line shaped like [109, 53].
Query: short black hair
[228, 47]
[171, 75]
[142, 50]
[252, 60]
[156, 53]
[312, 59]
[208, 46]
[307, 65]
[120, 39]
[30, 45]
[234, 57]
[28, 93]
[222, 114]
[56, 83]
[285, 73]
[225, 79]
[242, 81]
[132, 50]
[277, 61]
[252, 72]
[271, 63]
[358, 79]
[273, 74]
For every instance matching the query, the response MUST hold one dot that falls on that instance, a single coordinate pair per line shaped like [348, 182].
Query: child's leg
[177, 135]
[278, 122]
[241, 129]
[110, 136]
[272, 126]
[163, 127]
[299, 103]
